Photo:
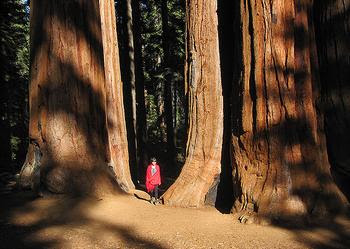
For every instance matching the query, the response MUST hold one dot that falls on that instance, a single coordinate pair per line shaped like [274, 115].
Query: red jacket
[152, 181]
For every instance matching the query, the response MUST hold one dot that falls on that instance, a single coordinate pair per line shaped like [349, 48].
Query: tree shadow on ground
[324, 233]
[52, 222]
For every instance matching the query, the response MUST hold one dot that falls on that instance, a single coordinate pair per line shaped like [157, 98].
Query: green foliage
[154, 68]
[152, 117]
[14, 76]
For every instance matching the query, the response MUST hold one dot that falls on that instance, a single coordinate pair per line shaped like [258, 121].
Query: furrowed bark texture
[202, 167]
[118, 144]
[332, 19]
[278, 146]
[68, 120]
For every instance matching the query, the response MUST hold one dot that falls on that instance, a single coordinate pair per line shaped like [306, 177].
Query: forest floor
[129, 222]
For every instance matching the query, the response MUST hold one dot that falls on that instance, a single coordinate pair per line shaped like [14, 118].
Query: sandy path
[127, 222]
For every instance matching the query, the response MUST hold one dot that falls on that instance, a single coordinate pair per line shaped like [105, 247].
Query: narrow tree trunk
[140, 85]
[132, 77]
[5, 141]
[175, 111]
[279, 156]
[118, 144]
[201, 171]
[68, 101]
[332, 19]
[129, 83]
[168, 82]
[161, 110]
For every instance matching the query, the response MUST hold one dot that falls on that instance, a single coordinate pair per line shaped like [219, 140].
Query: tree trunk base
[29, 177]
[94, 182]
[183, 194]
[192, 186]
[293, 210]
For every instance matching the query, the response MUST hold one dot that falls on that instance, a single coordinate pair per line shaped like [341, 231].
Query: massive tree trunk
[201, 171]
[278, 145]
[118, 144]
[69, 100]
[332, 19]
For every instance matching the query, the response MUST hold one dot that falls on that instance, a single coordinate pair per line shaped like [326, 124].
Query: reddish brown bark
[279, 154]
[118, 144]
[69, 99]
[202, 167]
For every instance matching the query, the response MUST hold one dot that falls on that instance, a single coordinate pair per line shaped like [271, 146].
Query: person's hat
[153, 159]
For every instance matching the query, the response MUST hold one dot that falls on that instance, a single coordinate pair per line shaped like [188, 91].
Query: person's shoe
[152, 201]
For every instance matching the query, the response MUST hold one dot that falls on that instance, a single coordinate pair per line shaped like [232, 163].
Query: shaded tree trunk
[5, 128]
[70, 147]
[5, 141]
[132, 76]
[332, 19]
[280, 164]
[201, 171]
[140, 85]
[129, 82]
[160, 110]
[168, 94]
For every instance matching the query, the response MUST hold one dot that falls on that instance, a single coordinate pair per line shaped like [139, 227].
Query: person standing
[153, 180]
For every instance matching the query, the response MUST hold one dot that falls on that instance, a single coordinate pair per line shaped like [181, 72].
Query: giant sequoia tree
[203, 155]
[77, 127]
[279, 151]
[283, 119]
[118, 144]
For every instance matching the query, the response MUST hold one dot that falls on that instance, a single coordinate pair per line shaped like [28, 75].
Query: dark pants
[154, 192]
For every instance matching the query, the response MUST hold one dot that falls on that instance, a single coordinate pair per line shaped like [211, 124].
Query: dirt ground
[130, 222]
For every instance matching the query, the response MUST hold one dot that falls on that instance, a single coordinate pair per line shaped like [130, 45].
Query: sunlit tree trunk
[69, 99]
[278, 145]
[202, 167]
[332, 21]
[118, 144]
